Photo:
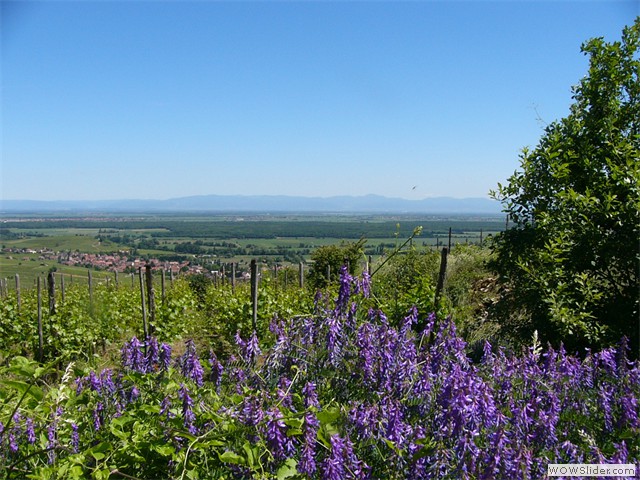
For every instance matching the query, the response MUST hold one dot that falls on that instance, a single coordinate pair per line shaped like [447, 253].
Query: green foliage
[227, 312]
[332, 258]
[405, 281]
[571, 259]
[177, 315]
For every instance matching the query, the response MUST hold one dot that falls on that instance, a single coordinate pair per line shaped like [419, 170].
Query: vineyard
[327, 386]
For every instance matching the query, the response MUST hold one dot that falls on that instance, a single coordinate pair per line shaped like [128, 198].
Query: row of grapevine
[339, 392]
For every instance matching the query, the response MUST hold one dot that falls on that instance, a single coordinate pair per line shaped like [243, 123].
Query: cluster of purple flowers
[249, 349]
[145, 357]
[189, 364]
[433, 413]
[344, 394]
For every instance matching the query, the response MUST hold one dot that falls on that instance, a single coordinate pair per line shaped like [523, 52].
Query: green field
[29, 267]
[214, 240]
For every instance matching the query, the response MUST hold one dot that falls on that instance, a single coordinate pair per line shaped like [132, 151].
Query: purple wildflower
[134, 394]
[13, 443]
[396, 429]
[364, 285]
[242, 345]
[151, 360]
[52, 439]
[309, 331]
[251, 413]
[97, 416]
[250, 349]
[344, 293]
[75, 438]
[190, 364]
[334, 339]
[629, 417]
[80, 384]
[365, 419]
[106, 382]
[216, 369]
[94, 382]
[307, 464]
[30, 431]
[310, 395]
[253, 348]
[366, 351]
[187, 409]
[165, 409]
[333, 467]
[277, 441]
[164, 357]
[604, 403]
[132, 356]
[283, 392]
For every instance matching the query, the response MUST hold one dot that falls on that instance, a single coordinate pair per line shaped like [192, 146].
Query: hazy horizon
[160, 199]
[264, 203]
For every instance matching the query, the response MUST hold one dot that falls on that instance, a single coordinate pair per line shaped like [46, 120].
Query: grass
[62, 241]
[29, 267]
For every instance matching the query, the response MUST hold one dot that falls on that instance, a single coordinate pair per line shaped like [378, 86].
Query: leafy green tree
[331, 258]
[570, 261]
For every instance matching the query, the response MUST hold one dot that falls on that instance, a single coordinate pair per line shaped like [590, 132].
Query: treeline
[267, 229]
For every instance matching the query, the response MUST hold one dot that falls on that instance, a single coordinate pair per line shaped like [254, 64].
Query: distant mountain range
[265, 203]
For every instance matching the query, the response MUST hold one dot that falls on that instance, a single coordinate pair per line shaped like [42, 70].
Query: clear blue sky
[161, 99]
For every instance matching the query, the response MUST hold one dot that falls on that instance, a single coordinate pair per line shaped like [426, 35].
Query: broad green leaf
[288, 469]
[22, 387]
[231, 457]
[165, 449]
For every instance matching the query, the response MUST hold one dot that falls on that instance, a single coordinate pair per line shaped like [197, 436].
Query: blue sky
[162, 99]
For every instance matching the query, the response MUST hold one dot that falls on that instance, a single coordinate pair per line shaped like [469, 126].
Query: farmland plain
[217, 239]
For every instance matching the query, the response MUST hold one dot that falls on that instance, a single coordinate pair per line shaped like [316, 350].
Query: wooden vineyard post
[40, 335]
[480, 237]
[254, 294]
[301, 274]
[115, 278]
[441, 275]
[51, 288]
[62, 286]
[233, 277]
[449, 244]
[328, 274]
[275, 277]
[151, 298]
[144, 308]
[162, 283]
[369, 263]
[18, 292]
[90, 279]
